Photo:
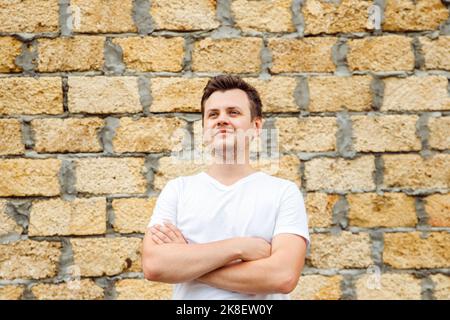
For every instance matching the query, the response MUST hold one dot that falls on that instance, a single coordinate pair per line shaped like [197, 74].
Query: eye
[235, 112]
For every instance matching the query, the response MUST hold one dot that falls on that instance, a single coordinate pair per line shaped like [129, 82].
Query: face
[227, 120]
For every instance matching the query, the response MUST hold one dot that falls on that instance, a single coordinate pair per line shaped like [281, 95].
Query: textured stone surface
[239, 55]
[416, 93]
[345, 250]
[78, 53]
[386, 53]
[404, 250]
[110, 175]
[412, 171]
[67, 135]
[29, 259]
[140, 289]
[84, 289]
[152, 53]
[7, 224]
[11, 292]
[28, 16]
[29, 177]
[265, 15]
[176, 94]
[339, 93]
[10, 49]
[23, 95]
[340, 174]
[389, 286]
[317, 287]
[149, 134]
[405, 15]
[436, 52]
[311, 134]
[385, 133]
[442, 286]
[11, 137]
[107, 256]
[104, 95]
[302, 55]
[439, 133]
[102, 16]
[437, 207]
[184, 14]
[132, 215]
[333, 17]
[319, 207]
[388, 210]
[77, 217]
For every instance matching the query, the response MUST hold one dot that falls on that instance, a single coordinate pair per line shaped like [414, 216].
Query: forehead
[224, 99]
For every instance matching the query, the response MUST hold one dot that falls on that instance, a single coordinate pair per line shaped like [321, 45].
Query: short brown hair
[228, 82]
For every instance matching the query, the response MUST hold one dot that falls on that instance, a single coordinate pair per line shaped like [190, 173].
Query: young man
[230, 232]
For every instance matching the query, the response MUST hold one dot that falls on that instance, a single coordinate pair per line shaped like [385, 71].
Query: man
[230, 232]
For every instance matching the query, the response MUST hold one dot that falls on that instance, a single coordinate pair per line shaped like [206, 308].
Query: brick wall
[93, 94]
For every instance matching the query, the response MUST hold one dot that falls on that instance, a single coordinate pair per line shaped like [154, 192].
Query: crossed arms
[244, 264]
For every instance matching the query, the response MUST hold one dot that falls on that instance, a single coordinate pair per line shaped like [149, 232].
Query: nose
[222, 119]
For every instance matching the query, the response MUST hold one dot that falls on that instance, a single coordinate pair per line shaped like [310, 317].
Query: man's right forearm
[175, 263]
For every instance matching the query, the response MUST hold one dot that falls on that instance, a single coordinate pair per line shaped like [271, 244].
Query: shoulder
[180, 182]
[280, 183]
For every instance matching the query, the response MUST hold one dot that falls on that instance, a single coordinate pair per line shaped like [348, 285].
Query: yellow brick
[436, 52]
[29, 259]
[310, 134]
[265, 15]
[78, 53]
[104, 95]
[416, 93]
[319, 207]
[11, 137]
[141, 289]
[441, 286]
[132, 215]
[240, 55]
[302, 55]
[20, 95]
[29, 16]
[149, 134]
[405, 250]
[11, 292]
[107, 256]
[152, 53]
[100, 16]
[437, 207]
[388, 210]
[345, 250]
[276, 93]
[67, 135]
[317, 287]
[340, 174]
[439, 137]
[385, 133]
[7, 224]
[330, 17]
[10, 49]
[389, 286]
[184, 15]
[74, 289]
[386, 53]
[77, 217]
[412, 171]
[405, 15]
[29, 177]
[339, 93]
[110, 175]
[177, 94]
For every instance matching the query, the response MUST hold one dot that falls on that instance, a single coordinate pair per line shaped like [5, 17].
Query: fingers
[159, 235]
[168, 232]
[175, 230]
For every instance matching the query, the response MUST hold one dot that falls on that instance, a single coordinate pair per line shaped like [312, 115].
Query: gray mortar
[377, 87]
[113, 58]
[67, 180]
[301, 93]
[297, 17]
[65, 18]
[344, 139]
[145, 95]
[339, 55]
[107, 134]
[141, 16]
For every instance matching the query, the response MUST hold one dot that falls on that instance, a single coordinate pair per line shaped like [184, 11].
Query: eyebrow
[229, 107]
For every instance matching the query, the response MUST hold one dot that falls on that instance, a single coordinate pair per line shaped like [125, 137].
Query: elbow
[150, 269]
[288, 283]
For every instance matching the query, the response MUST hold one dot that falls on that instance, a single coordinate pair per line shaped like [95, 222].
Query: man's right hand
[254, 248]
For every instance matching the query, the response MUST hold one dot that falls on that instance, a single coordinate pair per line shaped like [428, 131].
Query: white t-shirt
[205, 210]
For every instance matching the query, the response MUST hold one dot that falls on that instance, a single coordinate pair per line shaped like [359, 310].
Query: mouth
[223, 132]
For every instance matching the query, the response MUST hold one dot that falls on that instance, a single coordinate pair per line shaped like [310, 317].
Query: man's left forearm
[251, 277]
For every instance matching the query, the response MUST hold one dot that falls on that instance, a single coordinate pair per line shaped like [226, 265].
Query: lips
[223, 131]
